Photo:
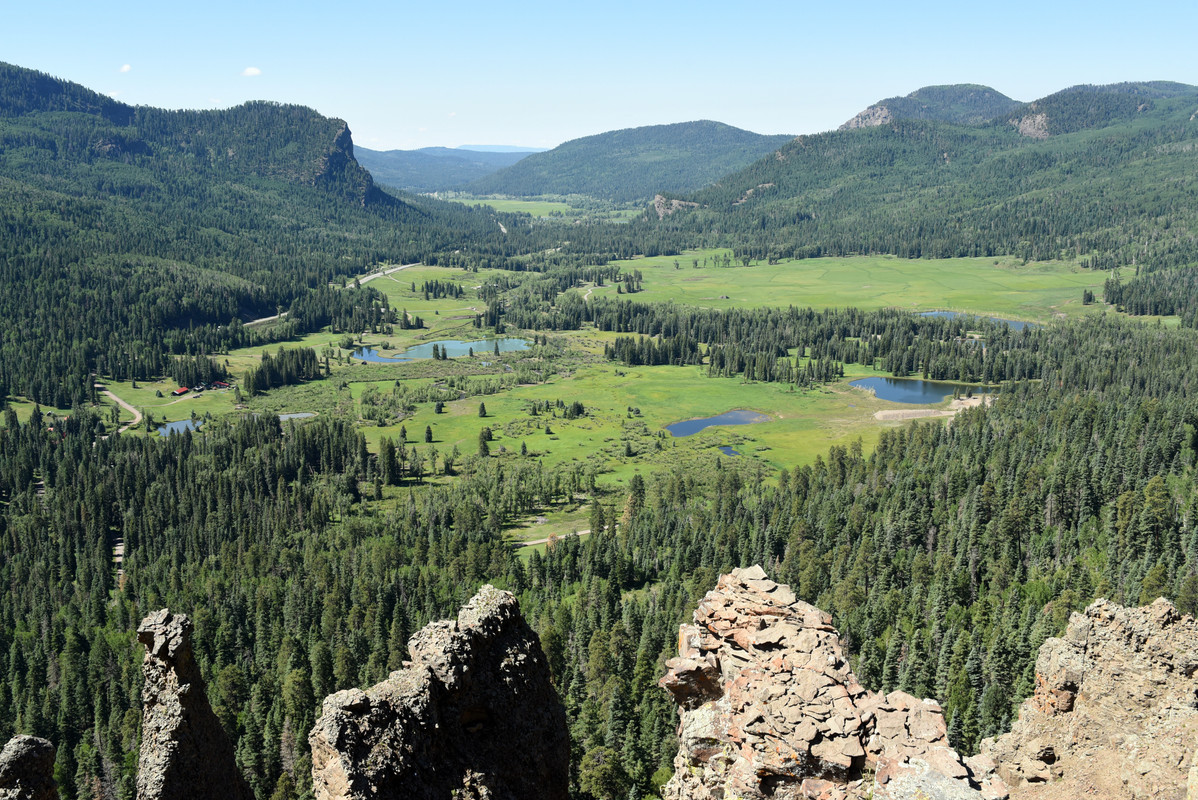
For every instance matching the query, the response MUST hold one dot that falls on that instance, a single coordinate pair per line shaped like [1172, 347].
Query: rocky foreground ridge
[473, 716]
[770, 708]
[768, 705]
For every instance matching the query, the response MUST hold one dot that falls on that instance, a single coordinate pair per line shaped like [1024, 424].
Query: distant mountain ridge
[962, 103]
[432, 169]
[1102, 173]
[634, 163]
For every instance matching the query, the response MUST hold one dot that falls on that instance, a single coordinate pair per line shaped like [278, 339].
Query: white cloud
[113, 94]
[126, 67]
[251, 72]
[453, 113]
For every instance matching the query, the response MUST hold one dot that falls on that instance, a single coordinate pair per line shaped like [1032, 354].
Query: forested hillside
[134, 233]
[1111, 183]
[635, 163]
[433, 169]
[963, 104]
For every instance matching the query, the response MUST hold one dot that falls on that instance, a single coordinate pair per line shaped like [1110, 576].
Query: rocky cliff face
[473, 715]
[869, 118]
[27, 769]
[185, 754]
[770, 708]
[1115, 712]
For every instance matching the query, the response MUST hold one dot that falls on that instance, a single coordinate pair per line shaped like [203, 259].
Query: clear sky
[407, 75]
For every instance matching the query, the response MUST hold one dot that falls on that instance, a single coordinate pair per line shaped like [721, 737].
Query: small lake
[454, 348]
[912, 390]
[728, 451]
[297, 415]
[179, 427]
[735, 417]
[1016, 324]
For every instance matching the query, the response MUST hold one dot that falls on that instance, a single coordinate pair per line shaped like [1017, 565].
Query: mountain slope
[1084, 107]
[963, 104]
[1118, 193]
[129, 234]
[431, 169]
[634, 163]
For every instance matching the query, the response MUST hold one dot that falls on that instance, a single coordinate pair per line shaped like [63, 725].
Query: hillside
[432, 169]
[135, 233]
[1113, 183]
[962, 103]
[634, 163]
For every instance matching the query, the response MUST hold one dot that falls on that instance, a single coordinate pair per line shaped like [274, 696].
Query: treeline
[288, 366]
[1165, 292]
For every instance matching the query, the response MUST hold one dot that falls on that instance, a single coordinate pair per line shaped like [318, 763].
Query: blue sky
[408, 75]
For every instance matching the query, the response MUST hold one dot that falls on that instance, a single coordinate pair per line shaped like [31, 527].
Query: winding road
[385, 272]
[136, 414]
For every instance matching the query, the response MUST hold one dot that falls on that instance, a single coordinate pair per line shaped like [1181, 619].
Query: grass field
[986, 286]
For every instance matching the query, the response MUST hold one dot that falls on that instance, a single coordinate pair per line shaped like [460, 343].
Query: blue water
[297, 415]
[736, 417]
[728, 451]
[910, 390]
[454, 348]
[179, 427]
[1016, 324]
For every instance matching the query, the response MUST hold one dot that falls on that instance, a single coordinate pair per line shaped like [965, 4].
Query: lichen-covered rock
[1115, 710]
[185, 754]
[473, 715]
[769, 707]
[27, 769]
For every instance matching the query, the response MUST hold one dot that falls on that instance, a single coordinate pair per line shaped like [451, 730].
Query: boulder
[27, 769]
[473, 715]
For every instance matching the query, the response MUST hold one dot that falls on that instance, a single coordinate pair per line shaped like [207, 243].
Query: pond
[737, 416]
[728, 451]
[454, 348]
[912, 390]
[179, 427]
[1016, 324]
[297, 415]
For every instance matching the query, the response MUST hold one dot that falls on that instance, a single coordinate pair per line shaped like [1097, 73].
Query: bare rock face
[1115, 711]
[770, 708]
[27, 769]
[473, 715]
[869, 118]
[185, 754]
[665, 207]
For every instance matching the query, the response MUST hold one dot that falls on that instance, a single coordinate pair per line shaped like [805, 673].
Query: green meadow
[1000, 287]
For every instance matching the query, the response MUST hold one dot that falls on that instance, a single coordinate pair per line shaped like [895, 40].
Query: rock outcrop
[770, 708]
[27, 769]
[473, 715]
[871, 117]
[1115, 711]
[185, 754]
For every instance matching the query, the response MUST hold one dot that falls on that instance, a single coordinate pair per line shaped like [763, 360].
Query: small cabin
[182, 390]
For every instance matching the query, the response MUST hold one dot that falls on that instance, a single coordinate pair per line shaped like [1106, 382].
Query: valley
[408, 396]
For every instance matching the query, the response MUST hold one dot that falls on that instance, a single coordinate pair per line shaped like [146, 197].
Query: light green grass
[537, 208]
[1000, 287]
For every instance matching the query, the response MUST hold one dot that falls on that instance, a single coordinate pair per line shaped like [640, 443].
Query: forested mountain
[1114, 184]
[961, 103]
[431, 169]
[1083, 107]
[134, 233]
[634, 163]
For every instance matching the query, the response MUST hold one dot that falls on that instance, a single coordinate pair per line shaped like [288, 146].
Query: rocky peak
[185, 754]
[472, 715]
[1114, 712]
[27, 769]
[871, 117]
[769, 707]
